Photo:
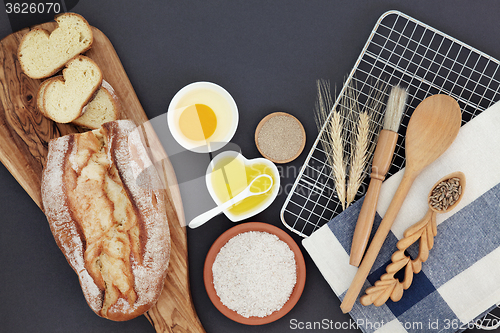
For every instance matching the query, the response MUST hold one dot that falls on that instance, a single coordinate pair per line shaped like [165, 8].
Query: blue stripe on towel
[464, 238]
[419, 289]
[431, 314]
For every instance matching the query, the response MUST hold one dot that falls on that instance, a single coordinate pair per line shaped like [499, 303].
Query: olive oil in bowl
[232, 173]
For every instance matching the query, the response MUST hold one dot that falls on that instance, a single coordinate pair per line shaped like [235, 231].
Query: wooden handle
[365, 222]
[378, 241]
[381, 162]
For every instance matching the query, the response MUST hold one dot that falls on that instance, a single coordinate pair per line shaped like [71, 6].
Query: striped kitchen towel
[461, 279]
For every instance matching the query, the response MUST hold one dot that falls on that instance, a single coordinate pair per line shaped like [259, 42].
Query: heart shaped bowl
[222, 240]
[247, 163]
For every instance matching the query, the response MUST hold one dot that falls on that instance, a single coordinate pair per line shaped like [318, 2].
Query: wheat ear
[333, 137]
[364, 129]
[359, 157]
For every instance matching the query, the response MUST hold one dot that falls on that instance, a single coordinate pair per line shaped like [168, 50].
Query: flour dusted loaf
[42, 54]
[113, 232]
[64, 97]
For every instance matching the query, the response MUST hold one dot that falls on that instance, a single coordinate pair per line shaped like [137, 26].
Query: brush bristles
[395, 107]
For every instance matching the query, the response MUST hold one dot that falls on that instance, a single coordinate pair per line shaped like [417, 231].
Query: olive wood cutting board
[24, 138]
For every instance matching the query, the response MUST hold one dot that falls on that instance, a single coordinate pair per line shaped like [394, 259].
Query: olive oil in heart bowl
[229, 173]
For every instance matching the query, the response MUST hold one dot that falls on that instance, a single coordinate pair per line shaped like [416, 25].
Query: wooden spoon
[432, 128]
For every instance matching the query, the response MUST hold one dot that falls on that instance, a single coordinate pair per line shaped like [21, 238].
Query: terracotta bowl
[222, 240]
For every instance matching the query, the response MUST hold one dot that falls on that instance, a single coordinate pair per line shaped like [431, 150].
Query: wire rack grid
[399, 51]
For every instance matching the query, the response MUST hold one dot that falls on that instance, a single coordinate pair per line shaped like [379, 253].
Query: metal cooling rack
[404, 51]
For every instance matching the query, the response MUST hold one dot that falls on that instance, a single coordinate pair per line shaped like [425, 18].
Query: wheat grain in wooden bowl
[280, 137]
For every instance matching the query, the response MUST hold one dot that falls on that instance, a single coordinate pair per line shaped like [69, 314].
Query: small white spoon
[247, 192]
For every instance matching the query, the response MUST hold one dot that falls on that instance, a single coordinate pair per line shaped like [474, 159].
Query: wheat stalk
[337, 155]
[359, 157]
[364, 128]
[333, 134]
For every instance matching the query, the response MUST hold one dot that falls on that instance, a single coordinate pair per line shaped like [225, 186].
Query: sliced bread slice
[39, 95]
[41, 54]
[105, 107]
[65, 97]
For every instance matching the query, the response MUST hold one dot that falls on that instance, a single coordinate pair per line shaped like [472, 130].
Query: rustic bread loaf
[41, 54]
[105, 107]
[64, 97]
[113, 232]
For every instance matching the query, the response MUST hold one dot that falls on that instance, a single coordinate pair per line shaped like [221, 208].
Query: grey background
[268, 55]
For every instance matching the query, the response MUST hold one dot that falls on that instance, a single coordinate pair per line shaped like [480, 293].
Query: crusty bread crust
[121, 262]
[36, 34]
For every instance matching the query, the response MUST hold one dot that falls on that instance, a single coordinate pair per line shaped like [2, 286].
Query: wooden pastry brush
[382, 158]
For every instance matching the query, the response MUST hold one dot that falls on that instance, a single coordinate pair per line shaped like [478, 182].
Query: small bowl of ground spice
[280, 137]
[254, 273]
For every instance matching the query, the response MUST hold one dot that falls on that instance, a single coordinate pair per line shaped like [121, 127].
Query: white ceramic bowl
[219, 100]
[274, 190]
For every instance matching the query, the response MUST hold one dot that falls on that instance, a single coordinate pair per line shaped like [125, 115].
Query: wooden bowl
[259, 127]
[222, 240]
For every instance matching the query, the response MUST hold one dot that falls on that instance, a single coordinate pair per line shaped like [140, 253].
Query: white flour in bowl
[254, 274]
